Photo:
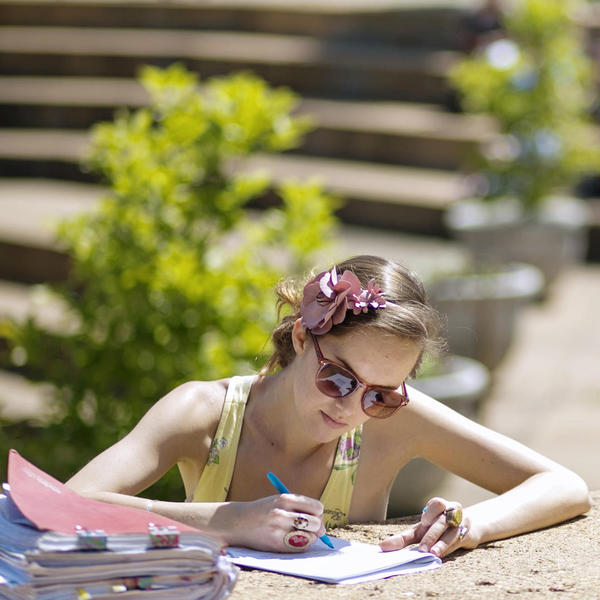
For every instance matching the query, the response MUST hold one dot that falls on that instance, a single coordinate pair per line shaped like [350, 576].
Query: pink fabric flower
[372, 297]
[327, 298]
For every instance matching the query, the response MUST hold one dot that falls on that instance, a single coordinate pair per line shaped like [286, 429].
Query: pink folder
[49, 504]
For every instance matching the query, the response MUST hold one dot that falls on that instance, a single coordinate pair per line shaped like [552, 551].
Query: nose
[348, 405]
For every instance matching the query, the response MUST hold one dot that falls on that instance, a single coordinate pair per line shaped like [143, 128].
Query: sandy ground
[561, 562]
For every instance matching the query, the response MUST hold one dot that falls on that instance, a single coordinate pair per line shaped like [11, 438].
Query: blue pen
[283, 490]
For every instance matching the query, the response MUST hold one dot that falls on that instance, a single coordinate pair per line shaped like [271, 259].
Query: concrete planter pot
[481, 308]
[552, 238]
[460, 383]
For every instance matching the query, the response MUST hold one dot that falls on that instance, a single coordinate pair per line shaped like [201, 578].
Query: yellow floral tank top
[215, 480]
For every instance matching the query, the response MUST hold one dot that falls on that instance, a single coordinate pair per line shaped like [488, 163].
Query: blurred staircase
[371, 72]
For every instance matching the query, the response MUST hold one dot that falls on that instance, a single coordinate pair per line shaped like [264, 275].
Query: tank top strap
[213, 485]
[337, 495]
[214, 482]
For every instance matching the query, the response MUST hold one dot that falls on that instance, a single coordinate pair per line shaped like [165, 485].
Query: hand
[280, 523]
[433, 533]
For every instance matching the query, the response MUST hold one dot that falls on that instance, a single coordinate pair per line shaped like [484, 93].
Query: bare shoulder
[183, 420]
[408, 430]
[192, 405]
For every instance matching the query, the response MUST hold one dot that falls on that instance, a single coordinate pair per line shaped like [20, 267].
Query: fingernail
[423, 548]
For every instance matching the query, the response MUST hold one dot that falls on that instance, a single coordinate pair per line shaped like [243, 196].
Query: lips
[333, 423]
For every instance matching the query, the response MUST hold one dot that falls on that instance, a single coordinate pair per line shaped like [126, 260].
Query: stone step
[311, 66]
[376, 131]
[30, 211]
[400, 198]
[397, 133]
[23, 400]
[20, 398]
[402, 22]
[389, 185]
[19, 302]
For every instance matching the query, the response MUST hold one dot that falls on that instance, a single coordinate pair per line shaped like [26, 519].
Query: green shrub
[538, 84]
[172, 276]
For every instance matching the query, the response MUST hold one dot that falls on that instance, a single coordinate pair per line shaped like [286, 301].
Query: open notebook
[349, 562]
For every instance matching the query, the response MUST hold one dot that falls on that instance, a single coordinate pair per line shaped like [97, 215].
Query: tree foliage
[538, 84]
[172, 277]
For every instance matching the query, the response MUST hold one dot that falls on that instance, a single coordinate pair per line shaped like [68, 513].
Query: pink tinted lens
[382, 403]
[335, 381]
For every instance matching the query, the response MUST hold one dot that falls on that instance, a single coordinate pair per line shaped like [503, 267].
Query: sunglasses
[336, 381]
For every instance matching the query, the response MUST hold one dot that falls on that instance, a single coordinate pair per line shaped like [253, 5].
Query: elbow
[583, 502]
[578, 492]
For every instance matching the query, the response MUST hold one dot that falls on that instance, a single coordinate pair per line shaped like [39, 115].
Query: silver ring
[462, 531]
[300, 522]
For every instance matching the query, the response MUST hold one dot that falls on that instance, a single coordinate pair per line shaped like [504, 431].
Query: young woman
[332, 415]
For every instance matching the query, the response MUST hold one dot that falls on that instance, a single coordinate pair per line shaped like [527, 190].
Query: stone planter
[499, 232]
[481, 308]
[460, 383]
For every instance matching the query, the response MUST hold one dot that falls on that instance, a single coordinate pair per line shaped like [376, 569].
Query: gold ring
[296, 540]
[454, 516]
[301, 522]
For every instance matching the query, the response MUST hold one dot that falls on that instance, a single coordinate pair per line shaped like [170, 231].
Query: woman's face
[374, 357]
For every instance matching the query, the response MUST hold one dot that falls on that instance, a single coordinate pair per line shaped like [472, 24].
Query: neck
[272, 416]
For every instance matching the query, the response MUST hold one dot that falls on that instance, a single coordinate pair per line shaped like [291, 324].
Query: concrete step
[55, 154]
[20, 398]
[376, 131]
[311, 66]
[411, 199]
[23, 400]
[30, 210]
[404, 199]
[404, 22]
[19, 302]
[397, 133]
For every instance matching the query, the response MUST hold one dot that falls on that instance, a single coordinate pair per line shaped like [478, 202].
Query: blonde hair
[407, 314]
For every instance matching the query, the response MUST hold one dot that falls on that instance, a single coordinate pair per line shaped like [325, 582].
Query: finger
[305, 522]
[400, 540]
[301, 521]
[451, 540]
[432, 511]
[429, 515]
[301, 504]
[438, 519]
[298, 541]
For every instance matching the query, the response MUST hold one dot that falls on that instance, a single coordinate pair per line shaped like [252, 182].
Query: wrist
[224, 522]
[475, 533]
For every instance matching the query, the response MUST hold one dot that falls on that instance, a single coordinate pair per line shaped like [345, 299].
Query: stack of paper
[56, 544]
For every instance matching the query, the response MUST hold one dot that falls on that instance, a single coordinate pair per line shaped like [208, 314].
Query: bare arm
[178, 429]
[533, 491]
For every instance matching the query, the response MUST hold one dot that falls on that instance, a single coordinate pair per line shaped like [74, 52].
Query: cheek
[305, 392]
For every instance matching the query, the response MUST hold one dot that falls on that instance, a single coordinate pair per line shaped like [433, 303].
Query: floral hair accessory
[328, 297]
[372, 297]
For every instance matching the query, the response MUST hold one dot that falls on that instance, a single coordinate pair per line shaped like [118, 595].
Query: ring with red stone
[301, 522]
[296, 540]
